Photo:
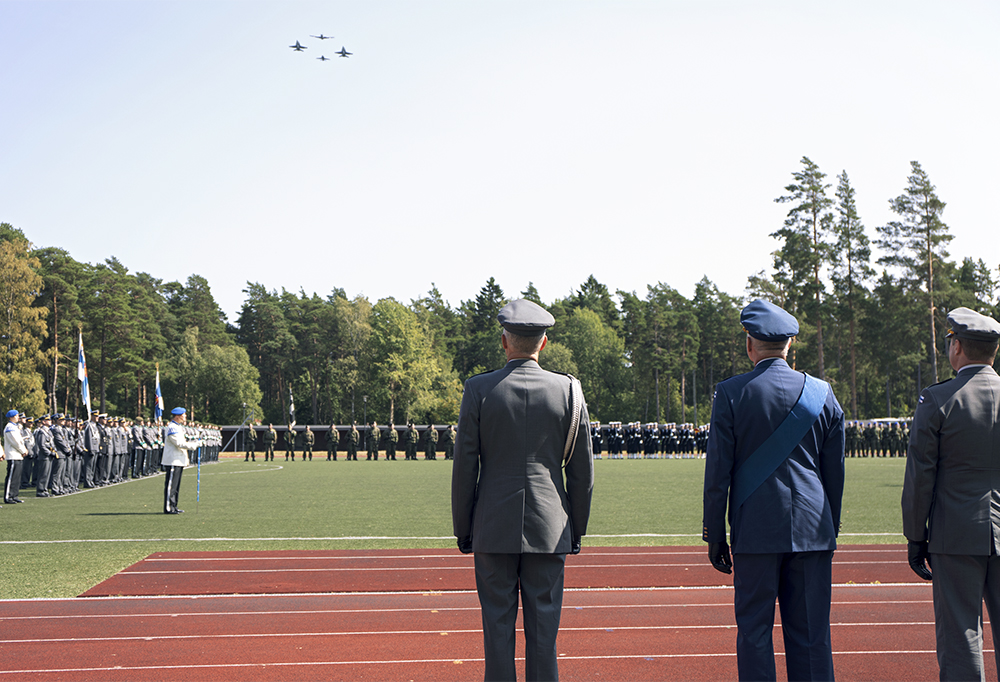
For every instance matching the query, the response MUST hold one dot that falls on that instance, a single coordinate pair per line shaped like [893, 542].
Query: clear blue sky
[530, 141]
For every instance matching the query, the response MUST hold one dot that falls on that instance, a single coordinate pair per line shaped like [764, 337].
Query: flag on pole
[291, 408]
[158, 407]
[81, 374]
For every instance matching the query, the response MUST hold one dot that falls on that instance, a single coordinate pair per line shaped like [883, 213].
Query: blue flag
[158, 406]
[81, 374]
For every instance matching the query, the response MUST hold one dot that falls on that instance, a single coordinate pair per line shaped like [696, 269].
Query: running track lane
[880, 632]
[309, 571]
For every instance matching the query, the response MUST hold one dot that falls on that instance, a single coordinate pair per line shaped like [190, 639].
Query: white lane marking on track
[435, 631]
[352, 538]
[350, 595]
[424, 609]
[450, 661]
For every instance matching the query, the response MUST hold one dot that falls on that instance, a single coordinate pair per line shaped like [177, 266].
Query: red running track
[652, 632]
[388, 570]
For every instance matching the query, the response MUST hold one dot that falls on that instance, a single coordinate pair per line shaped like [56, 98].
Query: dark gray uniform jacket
[953, 466]
[507, 488]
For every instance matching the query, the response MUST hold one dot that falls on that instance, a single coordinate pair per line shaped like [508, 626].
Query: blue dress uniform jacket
[797, 509]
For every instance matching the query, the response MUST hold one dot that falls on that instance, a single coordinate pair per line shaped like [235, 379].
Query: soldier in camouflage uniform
[353, 438]
[250, 444]
[391, 439]
[290, 443]
[308, 441]
[430, 442]
[448, 442]
[332, 441]
[412, 440]
[270, 438]
[371, 441]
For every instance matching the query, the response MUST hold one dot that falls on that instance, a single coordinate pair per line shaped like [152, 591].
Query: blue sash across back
[780, 444]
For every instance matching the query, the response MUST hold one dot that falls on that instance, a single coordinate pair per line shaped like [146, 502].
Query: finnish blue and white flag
[291, 408]
[81, 374]
[158, 405]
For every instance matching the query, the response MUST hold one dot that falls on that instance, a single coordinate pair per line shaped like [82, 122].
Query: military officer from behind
[775, 470]
[951, 495]
[513, 504]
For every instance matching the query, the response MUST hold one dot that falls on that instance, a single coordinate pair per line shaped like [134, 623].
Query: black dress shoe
[172, 511]
[42, 495]
[10, 501]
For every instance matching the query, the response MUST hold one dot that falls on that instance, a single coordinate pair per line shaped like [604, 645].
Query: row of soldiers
[877, 438]
[66, 453]
[651, 440]
[376, 439]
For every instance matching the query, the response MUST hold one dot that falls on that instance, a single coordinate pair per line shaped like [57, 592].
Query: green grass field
[60, 547]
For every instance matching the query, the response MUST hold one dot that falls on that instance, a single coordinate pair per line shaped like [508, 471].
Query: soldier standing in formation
[270, 439]
[430, 442]
[290, 442]
[448, 442]
[28, 466]
[45, 454]
[353, 440]
[371, 441]
[412, 440]
[595, 439]
[250, 444]
[391, 439]
[308, 441]
[332, 440]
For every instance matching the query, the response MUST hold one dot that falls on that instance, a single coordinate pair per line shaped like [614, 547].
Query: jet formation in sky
[298, 47]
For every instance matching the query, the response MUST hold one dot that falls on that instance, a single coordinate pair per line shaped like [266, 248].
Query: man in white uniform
[175, 458]
[14, 451]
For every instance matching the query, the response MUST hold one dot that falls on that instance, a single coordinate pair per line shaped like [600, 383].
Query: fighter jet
[321, 37]
[323, 59]
[297, 47]
[344, 53]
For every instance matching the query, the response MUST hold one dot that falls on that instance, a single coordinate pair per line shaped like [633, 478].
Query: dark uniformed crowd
[64, 454]
[648, 441]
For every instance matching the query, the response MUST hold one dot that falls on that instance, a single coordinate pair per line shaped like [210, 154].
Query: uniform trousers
[59, 473]
[961, 583]
[171, 487]
[801, 583]
[12, 483]
[539, 580]
[43, 473]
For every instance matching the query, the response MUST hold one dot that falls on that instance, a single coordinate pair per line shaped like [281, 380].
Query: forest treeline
[872, 308]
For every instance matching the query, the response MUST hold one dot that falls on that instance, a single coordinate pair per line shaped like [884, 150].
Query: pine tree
[916, 244]
[851, 256]
[805, 249]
